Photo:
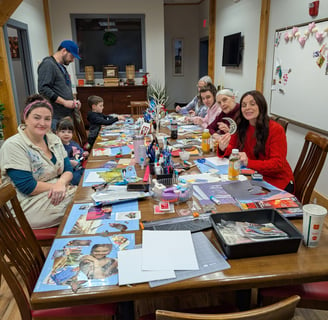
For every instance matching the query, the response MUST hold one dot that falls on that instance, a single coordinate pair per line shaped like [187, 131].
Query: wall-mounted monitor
[232, 47]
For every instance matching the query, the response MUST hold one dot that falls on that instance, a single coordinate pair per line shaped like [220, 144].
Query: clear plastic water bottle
[138, 140]
[234, 165]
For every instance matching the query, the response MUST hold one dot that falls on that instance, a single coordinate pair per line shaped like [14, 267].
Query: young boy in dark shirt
[96, 118]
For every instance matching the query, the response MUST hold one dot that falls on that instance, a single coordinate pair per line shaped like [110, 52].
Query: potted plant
[157, 98]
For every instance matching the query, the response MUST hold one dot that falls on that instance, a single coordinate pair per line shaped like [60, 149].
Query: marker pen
[216, 201]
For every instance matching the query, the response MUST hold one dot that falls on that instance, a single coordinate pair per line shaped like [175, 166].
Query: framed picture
[13, 44]
[178, 57]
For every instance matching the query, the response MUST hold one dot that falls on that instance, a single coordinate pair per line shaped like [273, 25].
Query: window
[109, 39]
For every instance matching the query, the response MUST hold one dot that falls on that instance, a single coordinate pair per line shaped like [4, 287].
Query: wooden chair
[309, 165]
[314, 295]
[282, 310]
[21, 261]
[80, 133]
[283, 122]
[138, 107]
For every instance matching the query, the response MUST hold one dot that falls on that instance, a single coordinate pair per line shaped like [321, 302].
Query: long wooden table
[307, 265]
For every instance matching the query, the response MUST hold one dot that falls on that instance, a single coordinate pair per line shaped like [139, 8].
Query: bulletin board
[299, 90]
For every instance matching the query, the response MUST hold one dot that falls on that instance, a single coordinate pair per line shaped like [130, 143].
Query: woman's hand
[243, 158]
[57, 192]
[177, 108]
[197, 120]
[192, 113]
[223, 127]
[224, 141]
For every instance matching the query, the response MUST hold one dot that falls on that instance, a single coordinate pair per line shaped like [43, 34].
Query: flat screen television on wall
[232, 45]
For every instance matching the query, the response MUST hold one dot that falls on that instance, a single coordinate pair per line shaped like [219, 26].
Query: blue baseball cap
[71, 47]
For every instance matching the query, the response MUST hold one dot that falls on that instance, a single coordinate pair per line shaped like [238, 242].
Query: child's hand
[74, 163]
[85, 154]
[121, 118]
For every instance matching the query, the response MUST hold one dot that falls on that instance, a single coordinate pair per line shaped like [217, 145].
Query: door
[20, 66]
[203, 57]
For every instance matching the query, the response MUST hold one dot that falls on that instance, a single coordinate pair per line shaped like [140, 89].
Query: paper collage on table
[85, 218]
[74, 263]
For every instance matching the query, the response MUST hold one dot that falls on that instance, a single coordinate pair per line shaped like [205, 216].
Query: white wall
[31, 13]
[204, 13]
[60, 11]
[282, 14]
[182, 22]
[243, 17]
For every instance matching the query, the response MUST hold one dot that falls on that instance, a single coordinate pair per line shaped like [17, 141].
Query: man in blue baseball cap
[54, 82]
[71, 47]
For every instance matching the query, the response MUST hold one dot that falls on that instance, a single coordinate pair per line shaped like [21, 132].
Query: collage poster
[74, 263]
[85, 218]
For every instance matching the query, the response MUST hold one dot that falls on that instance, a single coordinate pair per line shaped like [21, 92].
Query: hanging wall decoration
[109, 37]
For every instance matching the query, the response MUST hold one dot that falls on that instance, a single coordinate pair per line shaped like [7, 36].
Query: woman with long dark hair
[262, 142]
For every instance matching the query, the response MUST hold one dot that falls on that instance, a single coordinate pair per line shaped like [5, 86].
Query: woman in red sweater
[261, 141]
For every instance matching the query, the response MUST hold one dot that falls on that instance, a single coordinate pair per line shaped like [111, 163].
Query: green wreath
[109, 38]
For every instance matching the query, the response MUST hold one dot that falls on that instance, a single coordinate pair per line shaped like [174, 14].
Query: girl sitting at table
[262, 142]
[76, 154]
[208, 94]
[35, 161]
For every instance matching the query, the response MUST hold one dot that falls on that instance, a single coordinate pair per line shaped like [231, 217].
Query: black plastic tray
[262, 248]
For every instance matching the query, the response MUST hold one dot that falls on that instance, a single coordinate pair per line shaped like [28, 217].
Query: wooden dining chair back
[80, 134]
[283, 122]
[314, 295]
[138, 107]
[282, 310]
[22, 259]
[309, 165]
[20, 253]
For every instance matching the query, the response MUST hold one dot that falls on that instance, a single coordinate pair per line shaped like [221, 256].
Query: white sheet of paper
[200, 176]
[168, 250]
[93, 177]
[217, 161]
[130, 271]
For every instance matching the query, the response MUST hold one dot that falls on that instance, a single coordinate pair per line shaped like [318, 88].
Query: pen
[216, 201]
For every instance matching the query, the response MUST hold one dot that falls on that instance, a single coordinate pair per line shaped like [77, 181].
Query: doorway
[20, 65]
[203, 57]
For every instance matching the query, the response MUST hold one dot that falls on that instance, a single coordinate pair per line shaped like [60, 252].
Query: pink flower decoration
[319, 37]
[311, 26]
[302, 40]
[286, 36]
[294, 30]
